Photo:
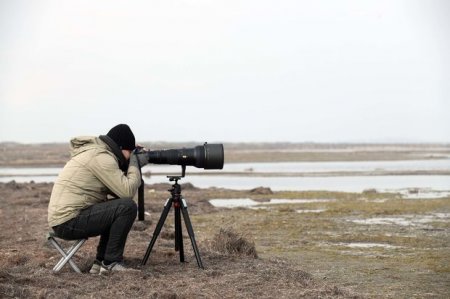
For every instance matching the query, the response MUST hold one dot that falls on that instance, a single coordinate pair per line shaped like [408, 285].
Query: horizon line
[378, 142]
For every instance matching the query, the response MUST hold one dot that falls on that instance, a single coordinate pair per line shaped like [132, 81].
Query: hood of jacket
[81, 144]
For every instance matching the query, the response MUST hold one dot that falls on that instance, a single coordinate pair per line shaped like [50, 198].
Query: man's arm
[106, 169]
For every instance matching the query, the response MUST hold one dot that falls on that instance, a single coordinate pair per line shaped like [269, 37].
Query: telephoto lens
[207, 156]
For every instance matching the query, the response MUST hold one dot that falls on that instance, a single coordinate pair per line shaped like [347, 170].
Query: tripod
[180, 206]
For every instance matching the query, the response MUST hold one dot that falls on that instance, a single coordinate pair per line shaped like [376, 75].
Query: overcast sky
[231, 70]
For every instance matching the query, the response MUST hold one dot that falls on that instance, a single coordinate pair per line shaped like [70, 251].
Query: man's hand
[139, 158]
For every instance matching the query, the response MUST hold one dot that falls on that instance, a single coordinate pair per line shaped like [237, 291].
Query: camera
[207, 156]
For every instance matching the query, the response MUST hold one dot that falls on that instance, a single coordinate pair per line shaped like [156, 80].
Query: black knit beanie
[122, 135]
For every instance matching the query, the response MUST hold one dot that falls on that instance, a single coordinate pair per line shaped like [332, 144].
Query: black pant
[112, 220]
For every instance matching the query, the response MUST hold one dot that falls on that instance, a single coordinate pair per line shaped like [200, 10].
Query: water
[276, 167]
[338, 183]
[351, 166]
[28, 171]
[287, 179]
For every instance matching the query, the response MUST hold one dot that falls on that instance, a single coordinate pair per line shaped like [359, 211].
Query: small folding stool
[66, 256]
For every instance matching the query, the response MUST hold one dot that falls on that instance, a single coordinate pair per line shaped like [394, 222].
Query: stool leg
[67, 256]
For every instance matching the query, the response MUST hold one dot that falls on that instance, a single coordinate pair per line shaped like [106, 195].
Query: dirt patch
[232, 268]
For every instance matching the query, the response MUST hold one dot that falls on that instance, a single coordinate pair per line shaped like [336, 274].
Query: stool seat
[66, 255]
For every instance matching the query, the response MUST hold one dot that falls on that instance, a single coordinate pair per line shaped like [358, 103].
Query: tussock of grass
[229, 242]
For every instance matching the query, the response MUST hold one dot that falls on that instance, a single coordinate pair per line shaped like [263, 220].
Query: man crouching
[92, 196]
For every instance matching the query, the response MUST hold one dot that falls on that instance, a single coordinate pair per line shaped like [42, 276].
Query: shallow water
[340, 183]
[275, 167]
[248, 203]
[405, 220]
[340, 166]
[367, 245]
[241, 181]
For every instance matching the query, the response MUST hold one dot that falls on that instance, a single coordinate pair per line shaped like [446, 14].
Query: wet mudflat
[380, 245]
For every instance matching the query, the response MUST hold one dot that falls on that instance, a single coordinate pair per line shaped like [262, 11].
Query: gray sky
[212, 70]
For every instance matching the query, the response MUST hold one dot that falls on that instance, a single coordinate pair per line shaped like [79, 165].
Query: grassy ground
[410, 260]
[307, 254]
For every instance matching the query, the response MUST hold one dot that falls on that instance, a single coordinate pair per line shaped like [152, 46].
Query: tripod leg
[178, 233]
[160, 224]
[187, 221]
[177, 225]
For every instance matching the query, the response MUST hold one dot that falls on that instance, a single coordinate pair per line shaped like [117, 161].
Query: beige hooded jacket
[90, 175]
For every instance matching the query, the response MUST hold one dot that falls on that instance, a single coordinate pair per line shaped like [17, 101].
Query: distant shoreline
[276, 174]
[57, 154]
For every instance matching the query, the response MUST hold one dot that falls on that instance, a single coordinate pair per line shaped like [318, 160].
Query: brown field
[267, 253]
[232, 267]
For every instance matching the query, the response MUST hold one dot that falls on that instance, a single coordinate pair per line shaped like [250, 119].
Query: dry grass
[231, 267]
[228, 241]
[416, 264]
[267, 253]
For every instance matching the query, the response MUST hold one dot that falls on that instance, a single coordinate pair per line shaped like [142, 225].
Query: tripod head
[176, 189]
[174, 178]
[178, 177]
